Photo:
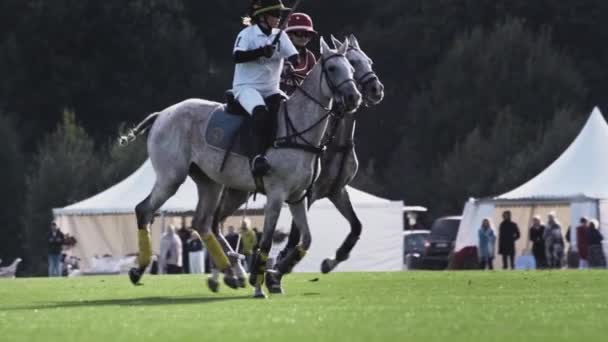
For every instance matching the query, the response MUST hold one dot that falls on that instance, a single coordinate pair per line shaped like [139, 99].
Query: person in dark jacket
[508, 233]
[233, 239]
[582, 242]
[55, 241]
[596, 253]
[538, 242]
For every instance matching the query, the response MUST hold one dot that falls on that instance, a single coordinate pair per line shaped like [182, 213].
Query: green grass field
[405, 306]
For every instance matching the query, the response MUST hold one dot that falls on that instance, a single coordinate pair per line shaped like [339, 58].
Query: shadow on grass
[140, 301]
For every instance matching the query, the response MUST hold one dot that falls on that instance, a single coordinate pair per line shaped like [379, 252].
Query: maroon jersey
[306, 61]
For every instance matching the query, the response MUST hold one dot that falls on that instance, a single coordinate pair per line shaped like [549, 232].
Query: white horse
[177, 149]
[338, 167]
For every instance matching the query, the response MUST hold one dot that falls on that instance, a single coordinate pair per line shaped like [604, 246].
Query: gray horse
[176, 149]
[338, 167]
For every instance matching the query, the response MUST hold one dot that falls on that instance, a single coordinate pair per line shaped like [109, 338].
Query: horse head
[338, 77]
[367, 80]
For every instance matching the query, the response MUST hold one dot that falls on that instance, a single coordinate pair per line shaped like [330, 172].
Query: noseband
[334, 88]
[366, 78]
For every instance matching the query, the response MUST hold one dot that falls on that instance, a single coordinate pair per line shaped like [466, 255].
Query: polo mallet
[284, 20]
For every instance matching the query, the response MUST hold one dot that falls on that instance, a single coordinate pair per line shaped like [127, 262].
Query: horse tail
[140, 129]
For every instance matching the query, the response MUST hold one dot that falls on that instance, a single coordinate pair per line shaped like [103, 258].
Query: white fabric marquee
[573, 186]
[105, 224]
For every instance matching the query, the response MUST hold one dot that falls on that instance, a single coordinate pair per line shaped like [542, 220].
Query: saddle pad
[224, 127]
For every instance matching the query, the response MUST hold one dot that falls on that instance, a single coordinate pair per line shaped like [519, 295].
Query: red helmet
[300, 22]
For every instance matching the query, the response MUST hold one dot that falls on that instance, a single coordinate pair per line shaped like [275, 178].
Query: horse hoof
[242, 282]
[273, 282]
[327, 265]
[231, 281]
[134, 276]
[213, 285]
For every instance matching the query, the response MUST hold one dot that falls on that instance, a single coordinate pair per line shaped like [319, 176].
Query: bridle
[365, 79]
[290, 140]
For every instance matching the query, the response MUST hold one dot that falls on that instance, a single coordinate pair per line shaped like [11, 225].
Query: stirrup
[259, 166]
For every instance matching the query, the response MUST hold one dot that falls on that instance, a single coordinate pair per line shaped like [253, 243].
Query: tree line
[480, 94]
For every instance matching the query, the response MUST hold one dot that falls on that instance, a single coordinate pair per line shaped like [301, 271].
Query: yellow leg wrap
[145, 247]
[217, 253]
[259, 280]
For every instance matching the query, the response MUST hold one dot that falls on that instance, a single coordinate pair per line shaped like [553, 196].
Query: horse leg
[260, 256]
[273, 278]
[342, 202]
[163, 189]
[230, 201]
[208, 197]
[293, 256]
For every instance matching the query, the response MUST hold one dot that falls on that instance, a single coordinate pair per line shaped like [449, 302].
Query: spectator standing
[487, 245]
[596, 253]
[249, 241]
[554, 242]
[184, 235]
[196, 254]
[538, 242]
[55, 241]
[170, 258]
[233, 239]
[582, 243]
[507, 235]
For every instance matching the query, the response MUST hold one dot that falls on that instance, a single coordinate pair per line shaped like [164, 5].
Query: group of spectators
[182, 250]
[548, 245]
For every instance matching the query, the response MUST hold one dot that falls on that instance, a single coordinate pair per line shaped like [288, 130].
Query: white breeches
[250, 97]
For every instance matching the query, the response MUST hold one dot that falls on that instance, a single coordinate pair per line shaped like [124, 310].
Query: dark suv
[440, 242]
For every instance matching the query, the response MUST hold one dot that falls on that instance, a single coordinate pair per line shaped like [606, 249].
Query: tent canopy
[124, 196]
[579, 172]
[105, 224]
[572, 186]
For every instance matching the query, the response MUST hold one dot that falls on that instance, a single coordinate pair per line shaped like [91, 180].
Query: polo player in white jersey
[257, 73]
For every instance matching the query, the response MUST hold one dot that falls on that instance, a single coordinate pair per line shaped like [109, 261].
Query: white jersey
[262, 74]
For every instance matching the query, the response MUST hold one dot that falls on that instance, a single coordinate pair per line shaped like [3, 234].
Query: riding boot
[261, 118]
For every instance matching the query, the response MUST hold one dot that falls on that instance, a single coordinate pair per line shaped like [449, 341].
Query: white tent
[573, 186]
[105, 224]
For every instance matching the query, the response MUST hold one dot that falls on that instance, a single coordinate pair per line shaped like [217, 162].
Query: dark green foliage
[12, 168]
[64, 170]
[496, 89]
[67, 169]
[114, 60]
[466, 80]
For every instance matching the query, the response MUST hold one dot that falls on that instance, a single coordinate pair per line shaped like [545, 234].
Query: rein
[292, 133]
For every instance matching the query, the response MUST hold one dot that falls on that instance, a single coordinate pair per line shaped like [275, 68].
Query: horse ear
[342, 50]
[337, 43]
[353, 41]
[324, 47]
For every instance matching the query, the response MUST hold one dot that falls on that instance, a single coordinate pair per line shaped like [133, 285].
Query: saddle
[230, 129]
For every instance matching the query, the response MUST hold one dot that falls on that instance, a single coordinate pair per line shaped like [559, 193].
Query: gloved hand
[267, 51]
[288, 71]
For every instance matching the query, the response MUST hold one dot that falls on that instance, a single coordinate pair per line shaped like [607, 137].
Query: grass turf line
[400, 306]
